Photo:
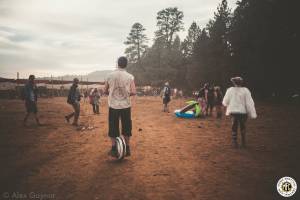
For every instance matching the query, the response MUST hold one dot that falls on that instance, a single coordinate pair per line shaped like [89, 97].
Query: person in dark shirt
[30, 97]
[218, 98]
[74, 100]
[166, 96]
[209, 98]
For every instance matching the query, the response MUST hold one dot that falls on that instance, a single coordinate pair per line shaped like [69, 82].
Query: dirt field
[171, 158]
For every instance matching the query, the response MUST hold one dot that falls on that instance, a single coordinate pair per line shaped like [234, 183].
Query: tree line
[257, 40]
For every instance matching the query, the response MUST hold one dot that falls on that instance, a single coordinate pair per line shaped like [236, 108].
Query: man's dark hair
[122, 62]
[31, 77]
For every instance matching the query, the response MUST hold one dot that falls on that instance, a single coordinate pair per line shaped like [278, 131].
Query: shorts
[31, 106]
[113, 122]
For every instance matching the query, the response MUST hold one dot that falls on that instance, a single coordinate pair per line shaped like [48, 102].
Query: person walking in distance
[218, 97]
[166, 96]
[119, 85]
[74, 100]
[96, 101]
[30, 97]
[239, 105]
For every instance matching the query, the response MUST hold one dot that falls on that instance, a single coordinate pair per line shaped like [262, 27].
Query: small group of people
[210, 97]
[237, 100]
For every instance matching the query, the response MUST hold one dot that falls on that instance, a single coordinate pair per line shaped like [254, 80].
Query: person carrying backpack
[74, 100]
[166, 96]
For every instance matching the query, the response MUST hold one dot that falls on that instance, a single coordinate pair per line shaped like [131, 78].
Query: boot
[234, 140]
[128, 153]
[243, 134]
[113, 152]
[37, 121]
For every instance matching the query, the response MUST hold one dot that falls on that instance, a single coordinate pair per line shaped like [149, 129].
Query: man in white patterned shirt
[119, 86]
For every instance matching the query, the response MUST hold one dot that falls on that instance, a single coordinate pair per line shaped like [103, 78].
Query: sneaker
[128, 153]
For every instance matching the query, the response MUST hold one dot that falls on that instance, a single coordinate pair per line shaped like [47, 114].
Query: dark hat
[75, 80]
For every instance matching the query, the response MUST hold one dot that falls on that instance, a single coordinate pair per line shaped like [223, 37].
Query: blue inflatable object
[192, 110]
[188, 114]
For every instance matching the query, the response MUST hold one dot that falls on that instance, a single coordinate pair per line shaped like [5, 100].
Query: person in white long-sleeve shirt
[239, 105]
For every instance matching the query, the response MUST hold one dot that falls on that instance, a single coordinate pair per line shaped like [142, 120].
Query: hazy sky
[60, 37]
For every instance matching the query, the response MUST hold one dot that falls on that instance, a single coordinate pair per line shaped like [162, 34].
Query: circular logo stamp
[286, 186]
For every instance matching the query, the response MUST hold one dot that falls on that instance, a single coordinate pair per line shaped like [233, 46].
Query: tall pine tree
[136, 42]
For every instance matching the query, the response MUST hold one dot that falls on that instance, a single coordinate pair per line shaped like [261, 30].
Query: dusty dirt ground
[171, 158]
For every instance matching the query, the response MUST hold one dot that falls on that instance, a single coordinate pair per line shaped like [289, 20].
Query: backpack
[167, 91]
[70, 99]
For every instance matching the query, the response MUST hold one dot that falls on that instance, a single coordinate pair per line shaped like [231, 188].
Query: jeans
[238, 120]
[75, 114]
[95, 108]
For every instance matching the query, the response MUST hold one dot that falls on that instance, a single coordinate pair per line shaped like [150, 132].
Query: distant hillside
[98, 75]
[93, 76]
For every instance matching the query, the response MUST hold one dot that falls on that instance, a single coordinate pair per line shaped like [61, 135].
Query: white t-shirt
[119, 82]
[239, 100]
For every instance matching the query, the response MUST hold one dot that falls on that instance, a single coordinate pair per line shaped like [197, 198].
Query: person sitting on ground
[74, 100]
[218, 97]
[239, 104]
[30, 97]
[119, 86]
[96, 101]
[166, 96]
